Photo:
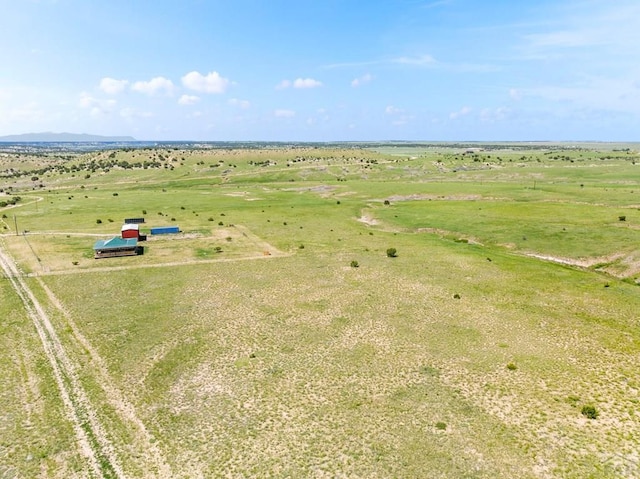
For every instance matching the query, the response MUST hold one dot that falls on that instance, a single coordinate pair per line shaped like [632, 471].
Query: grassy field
[275, 337]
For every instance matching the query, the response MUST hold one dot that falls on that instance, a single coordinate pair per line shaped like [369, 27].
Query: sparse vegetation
[272, 357]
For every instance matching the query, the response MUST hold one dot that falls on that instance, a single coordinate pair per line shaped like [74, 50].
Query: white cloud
[188, 100]
[515, 94]
[112, 86]
[491, 115]
[96, 106]
[306, 83]
[300, 83]
[392, 110]
[210, 83]
[243, 104]
[154, 86]
[366, 78]
[464, 111]
[284, 84]
[416, 61]
[284, 113]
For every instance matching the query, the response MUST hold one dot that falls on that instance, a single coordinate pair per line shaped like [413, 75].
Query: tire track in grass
[115, 397]
[93, 442]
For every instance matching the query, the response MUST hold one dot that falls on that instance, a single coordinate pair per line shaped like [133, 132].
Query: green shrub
[441, 426]
[590, 411]
[512, 366]
[99, 221]
[354, 264]
[392, 252]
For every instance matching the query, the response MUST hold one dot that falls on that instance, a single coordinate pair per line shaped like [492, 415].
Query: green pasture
[275, 337]
[35, 438]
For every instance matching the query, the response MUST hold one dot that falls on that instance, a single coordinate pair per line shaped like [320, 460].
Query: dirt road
[92, 440]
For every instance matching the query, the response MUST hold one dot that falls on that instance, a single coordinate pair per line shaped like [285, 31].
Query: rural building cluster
[127, 243]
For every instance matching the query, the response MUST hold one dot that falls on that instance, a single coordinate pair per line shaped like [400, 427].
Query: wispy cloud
[96, 106]
[392, 110]
[362, 80]
[188, 100]
[281, 113]
[464, 111]
[242, 104]
[299, 83]
[422, 60]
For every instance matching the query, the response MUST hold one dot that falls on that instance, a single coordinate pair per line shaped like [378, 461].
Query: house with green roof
[116, 246]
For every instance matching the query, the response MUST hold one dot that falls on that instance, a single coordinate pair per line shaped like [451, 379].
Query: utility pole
[15, 222]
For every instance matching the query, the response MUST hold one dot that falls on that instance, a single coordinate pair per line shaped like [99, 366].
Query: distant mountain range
[62, 137]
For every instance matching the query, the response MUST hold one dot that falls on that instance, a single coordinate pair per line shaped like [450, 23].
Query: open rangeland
[364, 311]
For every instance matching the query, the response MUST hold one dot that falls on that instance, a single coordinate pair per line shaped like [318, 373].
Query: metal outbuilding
[165, 230]
[130, 231]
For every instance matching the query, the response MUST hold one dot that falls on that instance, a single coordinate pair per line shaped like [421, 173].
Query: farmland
[275, 336]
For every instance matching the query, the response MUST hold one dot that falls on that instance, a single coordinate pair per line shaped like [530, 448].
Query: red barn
[130, 231]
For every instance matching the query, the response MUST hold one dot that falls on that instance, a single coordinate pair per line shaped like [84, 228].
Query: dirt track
[92, 440]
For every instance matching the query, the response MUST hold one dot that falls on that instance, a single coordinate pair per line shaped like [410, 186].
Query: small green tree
[392, 252]
[354, 264]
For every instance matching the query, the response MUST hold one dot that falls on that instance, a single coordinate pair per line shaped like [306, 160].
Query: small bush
[441, 426]
[512, 366]
[456, 296]
[354, 264]
[115, 194]
[589, 411]
[220, 223]
[99, 221]
[144, 212]
[210, 218]
[622, 218]
[387, 202]
[392, 252]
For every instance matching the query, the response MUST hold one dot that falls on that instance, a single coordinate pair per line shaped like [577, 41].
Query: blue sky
[332, 70]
